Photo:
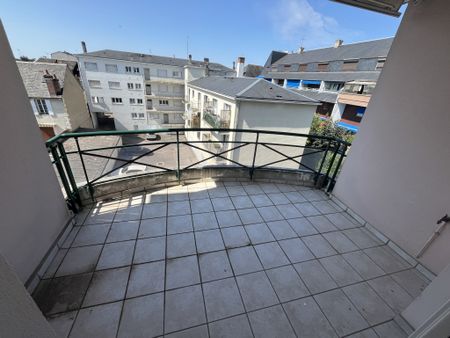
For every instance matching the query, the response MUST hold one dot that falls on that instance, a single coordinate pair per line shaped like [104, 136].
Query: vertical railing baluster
[336, 170]
[91, 193]
[178, 157]
[330, 165]
[69, 172]
[62, 174]
[322, 162]
[252, 170]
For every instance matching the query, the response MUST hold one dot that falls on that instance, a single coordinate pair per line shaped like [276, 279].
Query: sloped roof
[249, 89]
[147, 58]
[33, 76]
[326, 76]
[319, 95]
[360, 50]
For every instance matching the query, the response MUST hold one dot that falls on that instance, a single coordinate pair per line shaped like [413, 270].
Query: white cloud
[297, 20]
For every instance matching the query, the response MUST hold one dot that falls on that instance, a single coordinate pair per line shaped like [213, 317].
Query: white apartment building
[140, 91]
[246, 103]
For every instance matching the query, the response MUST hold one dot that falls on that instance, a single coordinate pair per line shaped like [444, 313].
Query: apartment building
[341, 77]
[140, 91]
[56, 97]
[245, 103]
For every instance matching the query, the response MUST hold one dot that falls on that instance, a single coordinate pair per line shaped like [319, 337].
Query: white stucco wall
[397, 173]
[32, 208]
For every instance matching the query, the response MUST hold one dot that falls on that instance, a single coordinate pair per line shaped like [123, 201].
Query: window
[41, 106]
[91, 66]
[303, 67]
[322, 67]
[116, 100]
[163, 102]
[111, 68]
[132, 101]
[166, 118]
[226, 107]
[98, 99]
[130, 85]
[136, 70]
[176, 74]
[141, 115]
[137, 116]
[140, 101]
[350, 65]
[137, 86]
[162, 73]
[127, 69]
[333, 86]
[94, 84]
[114, 85]
[193, 94]
[380, 64]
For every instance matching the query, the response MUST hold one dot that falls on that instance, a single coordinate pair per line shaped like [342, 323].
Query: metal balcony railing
[287, 147]
[216, 121]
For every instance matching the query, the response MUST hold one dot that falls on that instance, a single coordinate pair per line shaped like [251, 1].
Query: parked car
[133, 169]
[151, 137]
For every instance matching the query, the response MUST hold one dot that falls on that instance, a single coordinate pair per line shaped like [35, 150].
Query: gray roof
[147, 58]
[319, 95]
[32, 75]
[249, 89]
[326, 76]
[360, 50]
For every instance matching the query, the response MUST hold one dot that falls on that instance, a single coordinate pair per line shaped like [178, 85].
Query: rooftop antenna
[187, 45]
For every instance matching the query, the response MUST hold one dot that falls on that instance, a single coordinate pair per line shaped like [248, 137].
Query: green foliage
[326, 127]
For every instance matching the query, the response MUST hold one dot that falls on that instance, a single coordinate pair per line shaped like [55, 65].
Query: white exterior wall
[57, 114]
[122, 112]
[397, 173]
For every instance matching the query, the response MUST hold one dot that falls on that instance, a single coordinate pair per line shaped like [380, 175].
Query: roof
[359, 50]
[274, 57]
[72, 64]
[147, 58]
[326, 76]
[245, 88]
[319, 95]
[389, 7]
[32, 75]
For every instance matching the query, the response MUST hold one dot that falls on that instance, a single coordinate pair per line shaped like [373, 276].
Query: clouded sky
[220, 30]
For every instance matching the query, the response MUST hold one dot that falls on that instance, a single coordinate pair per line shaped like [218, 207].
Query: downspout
[441, 224]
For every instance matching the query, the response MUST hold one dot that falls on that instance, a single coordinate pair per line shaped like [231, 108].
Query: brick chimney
[240, 66]
[53, 85]
[338, 43]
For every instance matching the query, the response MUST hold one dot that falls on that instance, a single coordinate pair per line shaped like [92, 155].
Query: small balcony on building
[217, 120]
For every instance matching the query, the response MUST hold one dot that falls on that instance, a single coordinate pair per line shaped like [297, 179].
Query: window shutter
[33, 106]
[49, 107]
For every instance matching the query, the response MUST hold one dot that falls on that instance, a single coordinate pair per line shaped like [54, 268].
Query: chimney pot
[52, 82]
[234, 65]
[83, 47]
[338, 43]
[190, 58]
[240, 66]
[206, 60]
[301, 50]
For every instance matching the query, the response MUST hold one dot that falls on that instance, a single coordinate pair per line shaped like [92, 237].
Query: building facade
[56, 96]
[139, 91]
[246, 103]
[341, 77]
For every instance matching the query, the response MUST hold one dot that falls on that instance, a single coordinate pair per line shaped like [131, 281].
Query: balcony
[217, 121]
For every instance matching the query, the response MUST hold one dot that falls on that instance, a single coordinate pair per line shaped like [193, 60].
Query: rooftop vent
[338, 43]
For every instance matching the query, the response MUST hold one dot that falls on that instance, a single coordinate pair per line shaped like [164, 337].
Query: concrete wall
[19, 315]
[32, 208]
[276, 117]
[75, 103]
[397, 173]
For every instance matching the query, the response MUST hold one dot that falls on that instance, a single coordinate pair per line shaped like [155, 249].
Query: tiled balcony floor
[225, 260]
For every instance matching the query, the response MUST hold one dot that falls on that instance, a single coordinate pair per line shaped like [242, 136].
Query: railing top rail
[65, 136]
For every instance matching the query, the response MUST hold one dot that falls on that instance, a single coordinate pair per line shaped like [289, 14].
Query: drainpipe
[441, 224]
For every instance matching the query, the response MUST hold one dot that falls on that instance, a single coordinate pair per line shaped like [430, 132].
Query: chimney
[52, 82]
[190, 58]
[338, 43]
[83, 46]
[240, 66]
[234, 65]
[206, 60]
[301, 50]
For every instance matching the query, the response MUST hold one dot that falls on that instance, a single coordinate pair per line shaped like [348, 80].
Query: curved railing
[177, 150]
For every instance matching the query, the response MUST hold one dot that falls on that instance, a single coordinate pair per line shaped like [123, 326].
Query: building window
[322, 67]
[137, 116]
[333, 86]
[98, 99]
[127, 69]
[130, 85]
[91, 66]
[132, 101]
[380, 64]
[94, 84]
[141, 115]
[226, 107]
[166, 118]
[136, 70]
[350, 65]
[162, 73]
[137, 86]
[111, 68]
[140, 101]
[114, 85]
[302, 67]
[163, 102]
[176, 74]
[116, 100]
[41, 106]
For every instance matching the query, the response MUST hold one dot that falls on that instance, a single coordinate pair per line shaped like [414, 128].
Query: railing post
[84, 169]
[336, 170]
[178, 157]
[69, 172]
[62, 175]
[322, 163]
[252, 170]
[333, 157]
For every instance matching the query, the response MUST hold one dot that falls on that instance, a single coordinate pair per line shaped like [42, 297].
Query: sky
[218, 29]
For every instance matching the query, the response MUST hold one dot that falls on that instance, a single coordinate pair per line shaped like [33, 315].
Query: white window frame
[98, 99]
[92, 85]
[41, 107]
[128, 69]
[162, 72]
[91, 66]
[108, 67]
[139, 101]
[132, 100]
[136, 70]
[176, 73]
[130, 85]
[137, 86]
[111, 86]
[163, 102]
[116, 100]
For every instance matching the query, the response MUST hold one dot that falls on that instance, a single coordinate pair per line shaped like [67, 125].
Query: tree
[328, 128]
[26, 58]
